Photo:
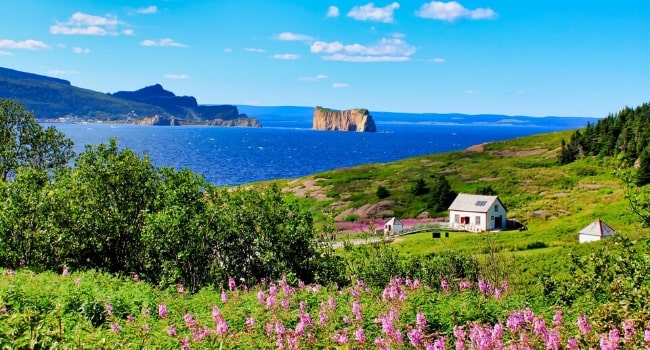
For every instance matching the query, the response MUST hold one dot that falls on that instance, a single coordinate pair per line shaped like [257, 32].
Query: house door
[497, 222]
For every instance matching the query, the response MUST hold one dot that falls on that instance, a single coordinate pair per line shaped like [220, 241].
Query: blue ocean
[286, 147]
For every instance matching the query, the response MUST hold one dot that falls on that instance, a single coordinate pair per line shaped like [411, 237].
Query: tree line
[624, 135]
[112, 210]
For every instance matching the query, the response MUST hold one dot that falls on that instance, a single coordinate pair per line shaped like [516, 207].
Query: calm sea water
[233, 156]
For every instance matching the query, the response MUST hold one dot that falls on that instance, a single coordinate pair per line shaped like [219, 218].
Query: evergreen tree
[643, 173]
[441, 194]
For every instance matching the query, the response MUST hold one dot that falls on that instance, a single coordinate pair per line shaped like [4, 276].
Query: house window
[492, 217]
[496, 207]
[456, 218]
[477, 220]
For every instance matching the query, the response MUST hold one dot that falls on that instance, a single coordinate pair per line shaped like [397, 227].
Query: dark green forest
[624, 135]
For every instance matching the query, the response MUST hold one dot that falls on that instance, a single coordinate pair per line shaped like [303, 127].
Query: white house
[477, 213]
[595, 231]
[393, 226]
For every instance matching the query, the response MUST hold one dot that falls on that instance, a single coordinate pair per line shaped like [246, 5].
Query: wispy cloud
[369, 12]
[147, 10]
[60, 72]
[227, 49]
[29, 44]
[520, 93]
[437, 60]
[162, 42]
[332, 11]
[340, 85]
[84, 24]
[386, 50]
[286, 56]
[6, 53]
[288, 36]
[176, 76]
[314, 78]
[452, 11]
[80, 50]
[129, 32]
[472, 92]
[254, 49]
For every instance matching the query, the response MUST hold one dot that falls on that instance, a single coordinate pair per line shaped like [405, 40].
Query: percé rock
[158, 121]
[357, 119]
[239, 122]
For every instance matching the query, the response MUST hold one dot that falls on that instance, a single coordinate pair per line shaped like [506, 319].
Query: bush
[382, 192]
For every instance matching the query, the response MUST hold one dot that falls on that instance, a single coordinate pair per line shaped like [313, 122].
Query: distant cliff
[345, 120]
[239, 122]
[158, 121]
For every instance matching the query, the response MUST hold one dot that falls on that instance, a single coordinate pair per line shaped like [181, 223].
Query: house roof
[393, 221]
[474, 203]
[598, 228]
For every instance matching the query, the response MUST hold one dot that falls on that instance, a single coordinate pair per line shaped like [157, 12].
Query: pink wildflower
[180, 288]
[65, 271]
[261, 297]
[572, 344]
[224, 296]
[171, 330]
[231, 284]
[444, 285]
[285, 303]
[331, 303]
[116, 327]
[250, 322]
[341, 337]
[416, 337]
[270, 302]
[583, 325]
[136, 278]
[439, 344]
[360, 336]
[420, 320]
[628, 331]
[557, 318]
[464, 284]
[162, 310]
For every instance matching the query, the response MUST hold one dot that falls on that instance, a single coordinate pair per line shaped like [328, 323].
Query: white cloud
[6, 53]
[286, 56]
[254, 49]
[321, 46]
[162, 42]
[176, 76]
[227, 49]
[451, 11]
[369, 12]
[472, 92]
[340, 85]
[314, 78]
[128, 32]
[23, 45]
[60, 72]
[80, 50]
[332, 11]
[147, 10]
[364, 59]
[288, 36]
[84, 24]
[386, 50]
[437, 60]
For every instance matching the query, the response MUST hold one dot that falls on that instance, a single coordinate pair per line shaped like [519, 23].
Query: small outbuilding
[595, 231]
[393, 226]
[477, 213]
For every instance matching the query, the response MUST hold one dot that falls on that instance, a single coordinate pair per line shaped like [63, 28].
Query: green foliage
[419, 187]
[24, 142]
[382, 192]
[486, 190]
[643, 172]
[441, 194]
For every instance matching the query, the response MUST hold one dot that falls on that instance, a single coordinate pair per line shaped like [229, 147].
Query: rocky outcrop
[345, 120]
[158, 121]
[238, 122]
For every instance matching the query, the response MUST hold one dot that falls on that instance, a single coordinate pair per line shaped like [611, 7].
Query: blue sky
[538, 58]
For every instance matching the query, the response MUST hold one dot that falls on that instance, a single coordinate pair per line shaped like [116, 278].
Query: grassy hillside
[554, 201]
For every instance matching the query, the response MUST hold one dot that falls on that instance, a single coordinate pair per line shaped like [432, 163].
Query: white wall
[582, 238]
